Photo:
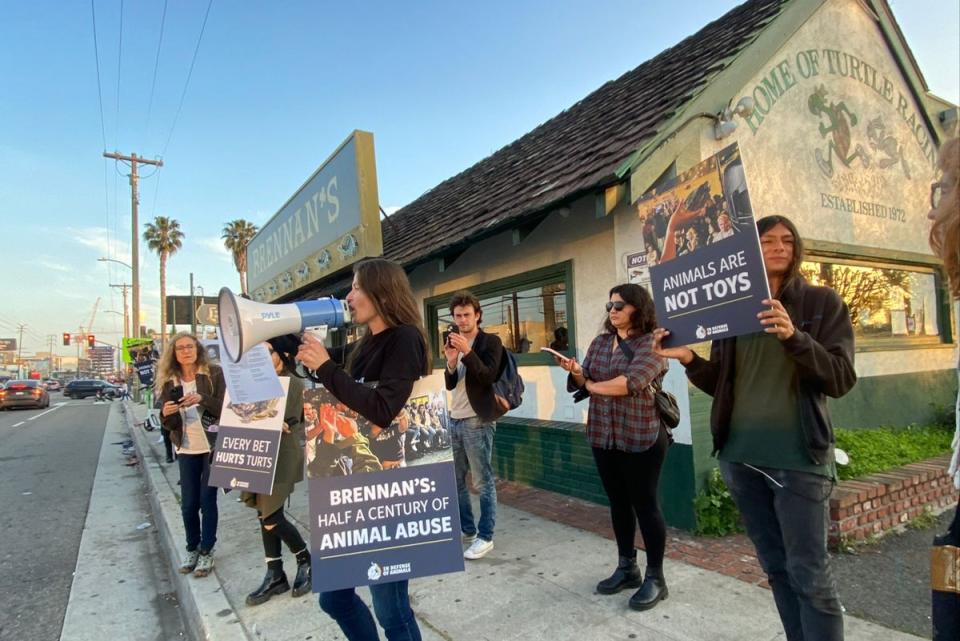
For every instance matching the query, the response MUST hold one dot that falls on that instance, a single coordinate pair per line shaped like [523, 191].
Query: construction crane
[93, 317]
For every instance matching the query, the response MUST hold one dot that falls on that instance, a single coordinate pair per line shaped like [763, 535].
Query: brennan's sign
[332, 221]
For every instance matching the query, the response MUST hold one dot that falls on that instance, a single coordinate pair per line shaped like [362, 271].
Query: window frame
[559, 272]
[944, 338]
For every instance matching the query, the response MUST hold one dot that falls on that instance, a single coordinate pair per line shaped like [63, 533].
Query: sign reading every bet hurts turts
[331, 222]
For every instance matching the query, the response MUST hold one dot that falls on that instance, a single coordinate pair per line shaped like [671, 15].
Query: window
[888, 303]
[526, 312]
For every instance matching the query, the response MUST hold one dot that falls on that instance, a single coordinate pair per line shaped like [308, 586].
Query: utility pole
[193, 309]
[50, 340]
[124, 287]
[20, 329]
[133, 159]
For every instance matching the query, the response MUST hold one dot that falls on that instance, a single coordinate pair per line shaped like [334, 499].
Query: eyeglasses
[616, 304]
[185, 348]
[936, 193]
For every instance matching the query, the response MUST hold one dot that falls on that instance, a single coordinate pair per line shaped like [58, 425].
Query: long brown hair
[168, 368]
[945, 232]
[387, 286]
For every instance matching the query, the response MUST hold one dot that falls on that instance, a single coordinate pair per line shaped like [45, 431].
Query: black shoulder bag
[665, 402]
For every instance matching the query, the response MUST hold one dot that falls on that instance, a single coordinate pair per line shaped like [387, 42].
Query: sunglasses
[616, 304]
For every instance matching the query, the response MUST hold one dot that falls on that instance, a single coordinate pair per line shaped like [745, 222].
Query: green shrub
[877, 450]
[715, 511]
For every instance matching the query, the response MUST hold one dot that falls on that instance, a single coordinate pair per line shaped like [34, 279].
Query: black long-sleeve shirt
[393, 359]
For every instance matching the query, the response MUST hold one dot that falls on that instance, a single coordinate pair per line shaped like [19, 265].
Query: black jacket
[211, 389]
[484, 364]
[822, 349]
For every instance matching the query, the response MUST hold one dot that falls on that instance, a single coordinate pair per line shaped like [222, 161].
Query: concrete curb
[207, 612]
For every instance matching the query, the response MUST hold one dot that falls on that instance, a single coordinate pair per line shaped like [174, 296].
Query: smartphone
[554, 352]
[176, 394]
[451, 329]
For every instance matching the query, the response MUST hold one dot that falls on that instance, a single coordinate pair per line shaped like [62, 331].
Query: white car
[52, 385]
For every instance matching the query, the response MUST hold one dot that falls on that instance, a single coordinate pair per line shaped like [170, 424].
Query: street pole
[133, 159]
[193, 309]
[78, 354]
[126, 328]
[20, 328]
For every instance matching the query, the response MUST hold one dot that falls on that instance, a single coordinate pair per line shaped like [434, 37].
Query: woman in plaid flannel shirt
[624, 431]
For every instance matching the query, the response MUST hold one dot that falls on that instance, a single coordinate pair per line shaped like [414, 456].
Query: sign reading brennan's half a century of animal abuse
[837, 141]
[383, 500]
[331, 222]
[699, 236]
[248, 441]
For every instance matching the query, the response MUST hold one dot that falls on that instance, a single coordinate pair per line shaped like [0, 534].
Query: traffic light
[66, 338]
[91, 340]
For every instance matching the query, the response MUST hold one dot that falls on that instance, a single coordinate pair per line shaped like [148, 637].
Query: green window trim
[559, 272]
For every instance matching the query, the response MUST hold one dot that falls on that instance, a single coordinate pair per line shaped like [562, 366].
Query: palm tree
[163, 236]
[237, 234]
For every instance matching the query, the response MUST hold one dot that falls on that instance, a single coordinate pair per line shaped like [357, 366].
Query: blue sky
[275, 88]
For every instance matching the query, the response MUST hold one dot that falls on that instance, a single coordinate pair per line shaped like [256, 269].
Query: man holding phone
[475, 360]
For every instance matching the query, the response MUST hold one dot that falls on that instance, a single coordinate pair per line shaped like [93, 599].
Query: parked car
[84, 388]
[53, 385]
[27, 393]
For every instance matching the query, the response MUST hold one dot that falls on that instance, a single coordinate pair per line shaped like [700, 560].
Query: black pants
[630, 480]
[786, 515]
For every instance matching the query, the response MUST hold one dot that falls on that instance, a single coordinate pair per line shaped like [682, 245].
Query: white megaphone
[245, 323]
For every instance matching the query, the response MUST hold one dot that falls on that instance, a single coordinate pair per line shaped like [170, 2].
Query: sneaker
[478, 549]
[190, 563]
[204, 565]
[468, 539]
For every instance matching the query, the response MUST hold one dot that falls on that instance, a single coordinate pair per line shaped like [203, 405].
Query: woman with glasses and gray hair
[191, 392]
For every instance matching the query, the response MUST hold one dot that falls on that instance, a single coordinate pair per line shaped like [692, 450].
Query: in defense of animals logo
[374, 572]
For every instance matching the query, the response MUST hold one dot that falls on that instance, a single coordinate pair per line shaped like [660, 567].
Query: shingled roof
[574, 152]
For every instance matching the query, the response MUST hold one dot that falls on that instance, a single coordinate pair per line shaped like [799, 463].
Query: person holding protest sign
[393, 353]
[191, 392]
[629, 445]
[772, 431]
[274, 526]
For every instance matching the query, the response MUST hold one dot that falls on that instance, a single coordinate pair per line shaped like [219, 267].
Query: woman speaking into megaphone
[393, 353]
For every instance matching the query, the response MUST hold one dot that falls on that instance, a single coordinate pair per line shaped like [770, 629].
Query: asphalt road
[889, 582]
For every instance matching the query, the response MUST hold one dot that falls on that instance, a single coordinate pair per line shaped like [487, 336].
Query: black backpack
[508, 388]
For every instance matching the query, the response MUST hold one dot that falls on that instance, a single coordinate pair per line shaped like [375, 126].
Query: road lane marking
[19, 424]
[36, 416]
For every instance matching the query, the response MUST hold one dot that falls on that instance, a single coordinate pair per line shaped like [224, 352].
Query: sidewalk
[536, 584]
[121, 585]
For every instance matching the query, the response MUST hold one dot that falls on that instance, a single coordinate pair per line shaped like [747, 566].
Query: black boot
[302, 582]
[654, 589]
[275, 582]
[627, 575]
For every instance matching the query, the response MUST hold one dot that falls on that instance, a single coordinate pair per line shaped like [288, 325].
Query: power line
[189, 74]
[96, 54]
[119, 59]
[156, 64]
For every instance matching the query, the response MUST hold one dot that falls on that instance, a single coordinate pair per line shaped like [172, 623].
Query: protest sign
[253, 378]
[248, 440]
[706, 266]
[383, 502]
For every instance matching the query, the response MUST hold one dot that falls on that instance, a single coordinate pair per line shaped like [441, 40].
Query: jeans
[391, 604]
[472, 441]
[198, 500]
[788, 527]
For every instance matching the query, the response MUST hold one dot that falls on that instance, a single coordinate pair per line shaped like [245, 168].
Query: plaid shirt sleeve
[645, 367]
